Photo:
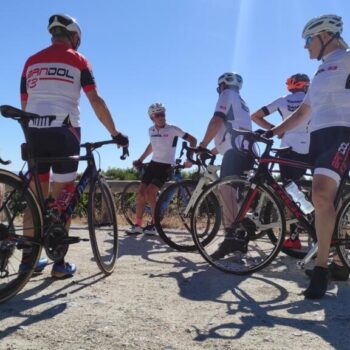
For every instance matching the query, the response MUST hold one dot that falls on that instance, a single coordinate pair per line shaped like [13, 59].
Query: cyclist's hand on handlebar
[121, 140]
[268, 134]
[201, 149]
[137, 163]
[260, 131]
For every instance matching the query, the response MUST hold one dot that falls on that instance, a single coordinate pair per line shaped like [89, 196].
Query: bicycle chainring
[54, 247]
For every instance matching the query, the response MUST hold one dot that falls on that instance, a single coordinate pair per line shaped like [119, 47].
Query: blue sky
[169, 51]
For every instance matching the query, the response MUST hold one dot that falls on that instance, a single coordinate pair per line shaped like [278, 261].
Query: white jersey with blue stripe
[235, 111]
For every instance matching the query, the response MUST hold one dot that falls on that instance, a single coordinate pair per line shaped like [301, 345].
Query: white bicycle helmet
[325, 23]
[67, 22]
[156, 108]
[231, 79]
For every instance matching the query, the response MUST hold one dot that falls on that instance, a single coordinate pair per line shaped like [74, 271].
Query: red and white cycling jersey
[51, 83]
[233, 109]
[299, 137]
[329, 92]
[164, 141]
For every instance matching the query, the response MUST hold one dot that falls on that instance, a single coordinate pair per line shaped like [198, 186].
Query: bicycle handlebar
[94, 145]
[5, 162]
[22, 116]
[203, 155]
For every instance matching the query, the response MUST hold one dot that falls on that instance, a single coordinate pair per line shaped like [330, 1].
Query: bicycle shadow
[19, 306]
[150, 248]
[254, 306]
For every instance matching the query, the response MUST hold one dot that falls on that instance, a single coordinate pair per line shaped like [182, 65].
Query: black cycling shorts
[56, 142]
[235, 162]
[157, 174]
[291, 173]
[330, 151]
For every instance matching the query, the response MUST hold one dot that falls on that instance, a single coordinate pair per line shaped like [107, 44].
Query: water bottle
[65, 197]
[299, 197]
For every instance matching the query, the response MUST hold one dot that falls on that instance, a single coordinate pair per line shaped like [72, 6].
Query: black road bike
[27, 224]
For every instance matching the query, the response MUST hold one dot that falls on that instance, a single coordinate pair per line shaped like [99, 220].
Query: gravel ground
[161, 299]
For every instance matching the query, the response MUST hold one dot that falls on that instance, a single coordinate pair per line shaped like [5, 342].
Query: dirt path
[161, 299]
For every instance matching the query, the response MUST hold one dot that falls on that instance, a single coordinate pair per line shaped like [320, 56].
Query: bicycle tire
[307, 238]
[19, 214]
[172, 225]
[258, 249]
[103, 227]
[342, 232]
[128, 203]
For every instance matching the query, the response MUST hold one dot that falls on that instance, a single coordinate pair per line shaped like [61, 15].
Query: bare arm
[191, 139]
[259, 118]
[146, 153]
[212, 129]
[102, 112]
[297, 117]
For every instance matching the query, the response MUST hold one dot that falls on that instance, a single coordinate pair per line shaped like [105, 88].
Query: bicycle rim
[342, 233]
[255, 249]
[103, 228]
[20, 235]
[171, 222]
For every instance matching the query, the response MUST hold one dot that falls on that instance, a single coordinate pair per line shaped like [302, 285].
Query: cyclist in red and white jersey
[327, 105]
[163, 141]
[231, 112]
[50, 86]
[298, 139]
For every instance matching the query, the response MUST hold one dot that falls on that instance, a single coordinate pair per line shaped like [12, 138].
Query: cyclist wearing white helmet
[50, 85]
[298, 139]
[327, 104]
[163, 141]
[231, 112]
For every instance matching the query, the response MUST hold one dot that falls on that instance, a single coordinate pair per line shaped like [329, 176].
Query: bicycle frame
[262, 177]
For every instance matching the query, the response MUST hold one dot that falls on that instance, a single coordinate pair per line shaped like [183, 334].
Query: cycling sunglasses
[158, 115]
[308, 40]
[60, 19]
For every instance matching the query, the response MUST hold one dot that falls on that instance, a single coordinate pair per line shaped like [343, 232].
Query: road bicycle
[29, 224]
[175, 205]
[253, 207]
[128, 196]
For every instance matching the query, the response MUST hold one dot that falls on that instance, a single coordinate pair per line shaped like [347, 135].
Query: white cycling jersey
[329, 92]
[164, 141]
[235, 111]
[299, 137]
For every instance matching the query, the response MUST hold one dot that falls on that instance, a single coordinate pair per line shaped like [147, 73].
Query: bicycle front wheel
[20, 234]
[103, 228]
[173, 216]
[251, 231]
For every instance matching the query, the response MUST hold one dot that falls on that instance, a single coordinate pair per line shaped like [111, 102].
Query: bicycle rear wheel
[243, 209]
[173, 226]
[20, 234]
[342, 233]
[103, 228]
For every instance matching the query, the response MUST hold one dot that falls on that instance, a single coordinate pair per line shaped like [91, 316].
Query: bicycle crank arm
[311, 253]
